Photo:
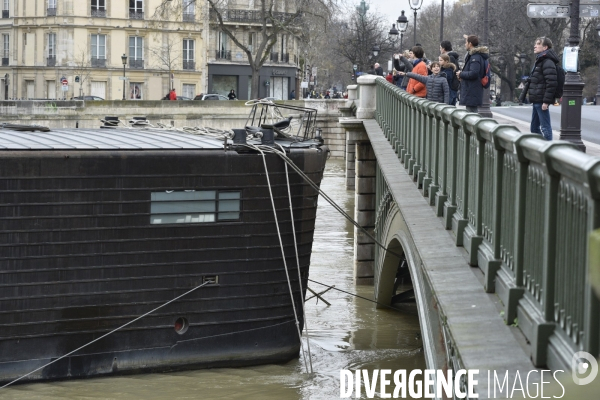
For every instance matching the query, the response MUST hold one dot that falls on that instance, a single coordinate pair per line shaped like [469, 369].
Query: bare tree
[358, 37]
[269, 21]
[166, 51]
[82, 68]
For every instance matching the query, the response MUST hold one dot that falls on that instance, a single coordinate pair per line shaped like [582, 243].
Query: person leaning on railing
[436, 84]
[403, 63]
[419, 67]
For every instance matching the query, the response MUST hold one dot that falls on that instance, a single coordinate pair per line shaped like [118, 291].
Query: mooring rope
[287, 177]
[326, 197]
[355, 295]
[282, 249]
[106, 334]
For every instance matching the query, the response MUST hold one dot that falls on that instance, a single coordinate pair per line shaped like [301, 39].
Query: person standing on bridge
[471, 89]
[403, 63]
[419, 67]
[541, 86]
[436, 83]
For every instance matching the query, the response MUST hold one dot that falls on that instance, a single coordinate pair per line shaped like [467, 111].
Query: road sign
[122, 78]
[64, 81]
[565, 2]
[65, 88]
[589, 10]
[537, 10]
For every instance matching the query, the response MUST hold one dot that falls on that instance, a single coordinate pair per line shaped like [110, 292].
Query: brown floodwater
[349, 334]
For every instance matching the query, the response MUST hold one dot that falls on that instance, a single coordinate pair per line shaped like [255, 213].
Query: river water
[349, 334]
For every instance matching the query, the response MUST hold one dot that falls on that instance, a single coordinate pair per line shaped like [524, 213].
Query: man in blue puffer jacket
[471, 89]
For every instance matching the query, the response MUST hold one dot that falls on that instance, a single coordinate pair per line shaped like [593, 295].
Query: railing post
[474, 183]
[535, 310]
[352, 92]
[489, 201]
[437, 151]
[509, 279]
[460, 219]
[450, 205]
[367, 103]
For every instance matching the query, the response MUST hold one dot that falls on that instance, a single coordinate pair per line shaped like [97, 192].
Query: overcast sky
[392, 8]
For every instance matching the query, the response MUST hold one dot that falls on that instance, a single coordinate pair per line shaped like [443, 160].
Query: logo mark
[584, 368]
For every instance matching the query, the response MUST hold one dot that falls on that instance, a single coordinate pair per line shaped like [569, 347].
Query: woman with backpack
[436, 84]
[449, 69]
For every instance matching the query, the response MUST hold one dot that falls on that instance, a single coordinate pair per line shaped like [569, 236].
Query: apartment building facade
[228, 66]
[59, 49]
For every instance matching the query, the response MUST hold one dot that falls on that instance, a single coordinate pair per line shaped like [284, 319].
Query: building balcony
[274, 57]
[136, 64]
[5, 14]
[136, 14]
[223, 55]
[51, 12]
[51, 61]
[251, 16]
[189, 65]
[4, 61]
[189, 17]
[98, 13]
[98, 62]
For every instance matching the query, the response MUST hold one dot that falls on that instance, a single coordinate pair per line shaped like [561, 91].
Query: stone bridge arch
[397, 239]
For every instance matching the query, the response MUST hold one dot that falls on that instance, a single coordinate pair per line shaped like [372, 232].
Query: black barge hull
[80, 256]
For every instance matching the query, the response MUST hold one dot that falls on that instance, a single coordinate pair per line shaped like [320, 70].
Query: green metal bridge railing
[523, 209]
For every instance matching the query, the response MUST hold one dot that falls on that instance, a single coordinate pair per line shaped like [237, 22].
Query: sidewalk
[592, 149]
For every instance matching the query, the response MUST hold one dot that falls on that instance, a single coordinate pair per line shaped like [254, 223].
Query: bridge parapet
[521, 207]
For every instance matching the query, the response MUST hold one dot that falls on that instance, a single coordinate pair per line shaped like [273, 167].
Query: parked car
[88, 98]
[183, 98]
[210, 96]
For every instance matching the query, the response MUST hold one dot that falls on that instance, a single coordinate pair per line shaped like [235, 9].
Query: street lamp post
[393, 33]
[415, 5]
[522, 59]
[124, 59]
[375, 50]
[570, 107]
[485, 110]
[442, 24]
[598, 90]
[402, 27]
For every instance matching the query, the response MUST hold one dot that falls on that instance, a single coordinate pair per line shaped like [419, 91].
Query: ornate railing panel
[532, 203]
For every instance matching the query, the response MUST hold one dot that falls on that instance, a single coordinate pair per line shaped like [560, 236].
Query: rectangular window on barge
[191, 206]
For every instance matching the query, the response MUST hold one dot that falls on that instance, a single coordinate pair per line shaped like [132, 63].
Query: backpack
[560, 77]
[487, 76]
[455, 84]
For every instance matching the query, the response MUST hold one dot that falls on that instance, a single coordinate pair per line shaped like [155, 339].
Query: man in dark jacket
[471, 89]
[378, 69]
[542, 83]
[446, 48]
